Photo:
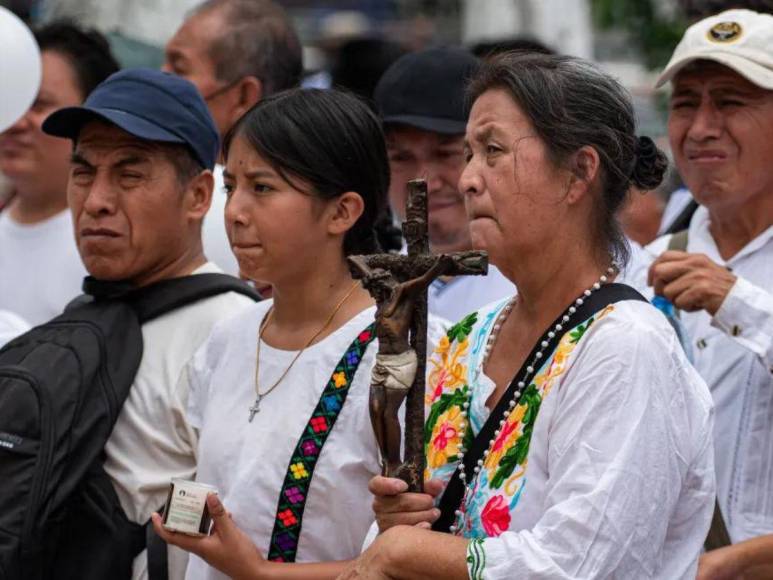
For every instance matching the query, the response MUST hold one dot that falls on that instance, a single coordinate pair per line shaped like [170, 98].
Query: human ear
[249, 91]
[585, 173]
[346, 210]
[198, 194]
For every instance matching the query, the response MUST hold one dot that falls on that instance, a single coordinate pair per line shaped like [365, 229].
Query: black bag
[62, 386]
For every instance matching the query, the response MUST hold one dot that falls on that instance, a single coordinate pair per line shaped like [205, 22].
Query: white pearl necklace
[530, 370]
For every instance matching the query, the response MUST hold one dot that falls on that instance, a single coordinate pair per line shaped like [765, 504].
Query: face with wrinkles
[720, 127]
[133, 218]
[514, 191]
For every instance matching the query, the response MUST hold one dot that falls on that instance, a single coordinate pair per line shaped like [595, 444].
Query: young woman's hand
[393, 506]
[228, 548]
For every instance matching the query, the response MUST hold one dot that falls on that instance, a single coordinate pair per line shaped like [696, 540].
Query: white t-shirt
[733, 352]
[217, 248]
[40, 268]
[11, 326]
[462, 295]
[247, 462]
[152, 441]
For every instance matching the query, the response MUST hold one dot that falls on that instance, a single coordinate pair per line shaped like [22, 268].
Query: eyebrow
[684, 92]
[483, 133]
[256, 174]
[78, 159]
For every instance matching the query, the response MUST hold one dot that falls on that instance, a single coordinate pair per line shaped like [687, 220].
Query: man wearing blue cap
[421, 102]
[140, 186]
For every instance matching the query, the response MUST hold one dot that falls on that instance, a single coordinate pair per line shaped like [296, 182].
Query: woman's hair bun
[650, 164]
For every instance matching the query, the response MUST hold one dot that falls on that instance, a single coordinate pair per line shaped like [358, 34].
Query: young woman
[280, 393]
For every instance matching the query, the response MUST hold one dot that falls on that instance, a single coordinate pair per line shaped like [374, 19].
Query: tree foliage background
[656, 26]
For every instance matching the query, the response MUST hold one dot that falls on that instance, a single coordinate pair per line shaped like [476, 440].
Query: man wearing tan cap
[719, 272]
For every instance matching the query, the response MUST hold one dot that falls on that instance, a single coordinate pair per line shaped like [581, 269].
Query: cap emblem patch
[724, 32]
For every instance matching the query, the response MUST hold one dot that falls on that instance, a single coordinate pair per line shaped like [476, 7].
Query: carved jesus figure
[396, 362]
[399, 285]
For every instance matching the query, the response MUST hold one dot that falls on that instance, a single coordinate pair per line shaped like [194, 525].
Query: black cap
[149, 104]
[426, 90]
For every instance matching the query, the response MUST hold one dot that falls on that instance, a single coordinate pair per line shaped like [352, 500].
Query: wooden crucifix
[399, 284]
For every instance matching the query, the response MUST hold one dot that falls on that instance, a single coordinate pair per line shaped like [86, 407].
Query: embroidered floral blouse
[604, 469]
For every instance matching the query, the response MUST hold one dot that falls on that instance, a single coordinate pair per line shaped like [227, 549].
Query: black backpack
[62, 386]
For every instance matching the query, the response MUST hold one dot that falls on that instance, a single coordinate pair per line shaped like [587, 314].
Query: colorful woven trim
[292, 498]
[476, 559]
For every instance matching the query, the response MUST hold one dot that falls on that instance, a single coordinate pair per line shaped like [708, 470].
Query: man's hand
[394, 507]
[228, 548]
[690, 281]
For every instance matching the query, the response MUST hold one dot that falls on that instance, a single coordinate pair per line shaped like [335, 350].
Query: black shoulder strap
[682, 221]
[158, 558]
[157, 299]
[598, 300]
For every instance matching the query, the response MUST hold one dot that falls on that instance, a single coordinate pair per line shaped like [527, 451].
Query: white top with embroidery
[247, 462]
[733, 352]
[618, 480]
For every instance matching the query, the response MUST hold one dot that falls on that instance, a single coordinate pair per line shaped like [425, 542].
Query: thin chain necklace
[261, 329]
[530, 370]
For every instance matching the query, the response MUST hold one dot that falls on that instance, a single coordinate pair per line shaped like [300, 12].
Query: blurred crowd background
[349, 43]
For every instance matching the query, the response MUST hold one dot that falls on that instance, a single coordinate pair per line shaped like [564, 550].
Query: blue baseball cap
[149, 104]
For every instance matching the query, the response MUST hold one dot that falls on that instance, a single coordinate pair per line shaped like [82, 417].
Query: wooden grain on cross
[399, 285]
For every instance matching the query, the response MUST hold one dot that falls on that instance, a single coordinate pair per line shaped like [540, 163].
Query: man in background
[421, 102]
[236, 52]
[719, 271]
[40, 270]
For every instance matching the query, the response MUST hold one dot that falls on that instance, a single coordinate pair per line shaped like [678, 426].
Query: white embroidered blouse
[618, 481]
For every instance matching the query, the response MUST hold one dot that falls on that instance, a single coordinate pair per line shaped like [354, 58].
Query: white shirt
[459, 296]
[247, 462]
[40, 268]
[620, 474]
[11, 326]
[217, 248]
[738, 368]
[152, 441]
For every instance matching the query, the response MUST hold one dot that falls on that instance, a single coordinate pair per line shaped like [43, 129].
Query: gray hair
[571, 104]
[258, 40]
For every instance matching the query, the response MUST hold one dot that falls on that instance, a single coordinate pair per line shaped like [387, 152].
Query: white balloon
[19, 68]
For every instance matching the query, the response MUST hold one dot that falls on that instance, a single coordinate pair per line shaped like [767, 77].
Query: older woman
[566, 433]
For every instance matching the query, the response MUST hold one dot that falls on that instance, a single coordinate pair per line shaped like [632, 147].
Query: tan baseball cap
[739, 39]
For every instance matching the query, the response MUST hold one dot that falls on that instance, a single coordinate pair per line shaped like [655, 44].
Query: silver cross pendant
[255, 408]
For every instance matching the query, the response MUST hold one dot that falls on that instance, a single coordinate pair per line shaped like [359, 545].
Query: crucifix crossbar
[399, 285]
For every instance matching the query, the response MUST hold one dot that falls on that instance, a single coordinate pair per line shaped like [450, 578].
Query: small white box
[186, 507]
